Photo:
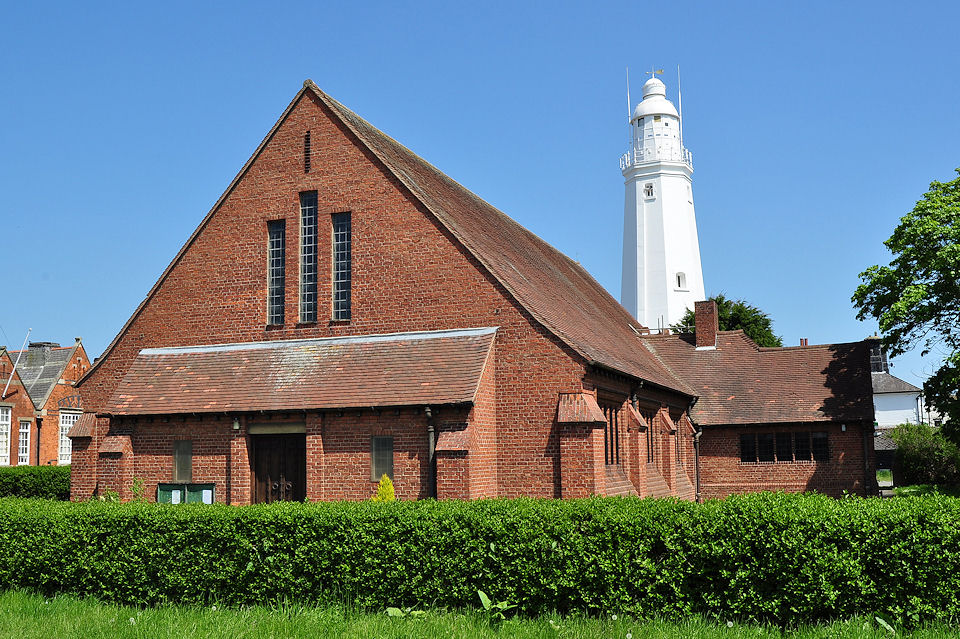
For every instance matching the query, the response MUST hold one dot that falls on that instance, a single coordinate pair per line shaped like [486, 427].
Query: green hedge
[786, 559]
[47, 482]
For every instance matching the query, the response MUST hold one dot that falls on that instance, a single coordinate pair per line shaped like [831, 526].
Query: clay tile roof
[887, 383]
[555, 290]
[400, 369]
[115, 444]
[453, 440]
[741, 383]
[579, 408]
[883, 441]
[83, 427]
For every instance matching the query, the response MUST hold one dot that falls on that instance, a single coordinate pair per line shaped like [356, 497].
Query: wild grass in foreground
[27, 616]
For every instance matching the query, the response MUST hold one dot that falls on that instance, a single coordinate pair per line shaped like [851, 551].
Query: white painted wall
[659, 230]
[891, 409]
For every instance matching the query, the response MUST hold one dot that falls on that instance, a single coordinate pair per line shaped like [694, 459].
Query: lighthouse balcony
[659, 154]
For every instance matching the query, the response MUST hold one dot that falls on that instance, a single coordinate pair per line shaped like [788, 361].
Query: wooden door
[279, 468]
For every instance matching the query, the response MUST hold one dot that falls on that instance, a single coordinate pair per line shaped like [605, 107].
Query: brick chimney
[705, 317]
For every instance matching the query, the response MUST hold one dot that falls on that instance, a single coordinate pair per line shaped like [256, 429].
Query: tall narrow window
[4, 436]
[748, 448]
[342, 269]
[276, 270]
[306, 152]
[381, 457]
[820, 447]
[801, 446]
[648, 190]
[23, 443]
[308, 256]
[651, 439]
[765, 447]
[183, 461]
[67, 420]
[611, 433]
[784, 447]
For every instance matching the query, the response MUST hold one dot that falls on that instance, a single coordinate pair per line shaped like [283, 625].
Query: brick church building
[346, 311]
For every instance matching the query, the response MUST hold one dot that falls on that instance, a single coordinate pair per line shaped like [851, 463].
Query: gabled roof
[742, 383]
[399, 369]
[887, 383]
[41, 366]
[10, 374]
[556, 291]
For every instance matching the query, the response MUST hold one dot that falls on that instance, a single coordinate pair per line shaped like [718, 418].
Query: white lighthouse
[662, 276]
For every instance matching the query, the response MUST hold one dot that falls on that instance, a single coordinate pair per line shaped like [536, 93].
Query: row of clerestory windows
[342, 268]
[784, 447]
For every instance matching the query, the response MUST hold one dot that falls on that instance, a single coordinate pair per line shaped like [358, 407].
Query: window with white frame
[5, 435]
[67, 420]
[23, 443]
[648, 189]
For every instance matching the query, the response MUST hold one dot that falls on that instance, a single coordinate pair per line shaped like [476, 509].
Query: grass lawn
[27, 616]
[917, 490]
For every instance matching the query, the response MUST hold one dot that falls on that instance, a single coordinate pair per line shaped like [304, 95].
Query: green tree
[916, 298]
[738, 314]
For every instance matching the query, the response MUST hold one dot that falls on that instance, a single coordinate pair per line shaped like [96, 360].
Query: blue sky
[814, 127]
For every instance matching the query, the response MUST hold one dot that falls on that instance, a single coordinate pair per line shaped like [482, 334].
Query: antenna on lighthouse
[629, 104]
[680, 104]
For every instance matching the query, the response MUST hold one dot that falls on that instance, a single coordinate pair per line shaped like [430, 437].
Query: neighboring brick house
[17, 416]
[346, 310]
[49, 372]
[794, 419]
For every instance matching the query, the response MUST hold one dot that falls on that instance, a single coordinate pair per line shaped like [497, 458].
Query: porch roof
[398, 369]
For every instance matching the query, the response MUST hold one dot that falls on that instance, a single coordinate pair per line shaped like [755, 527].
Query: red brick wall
[722, 473]
[64, 396]
[408, 274]
[482, 458]
[21, 407]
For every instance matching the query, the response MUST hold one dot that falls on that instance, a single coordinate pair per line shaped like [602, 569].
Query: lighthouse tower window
[648, 190]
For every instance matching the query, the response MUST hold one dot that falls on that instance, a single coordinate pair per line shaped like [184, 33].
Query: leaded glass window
[276, 270]
[342, 267]
[308, 257]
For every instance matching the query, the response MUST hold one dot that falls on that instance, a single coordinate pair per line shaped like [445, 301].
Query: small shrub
[44, 482]
[926, 456]
[384, 490]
